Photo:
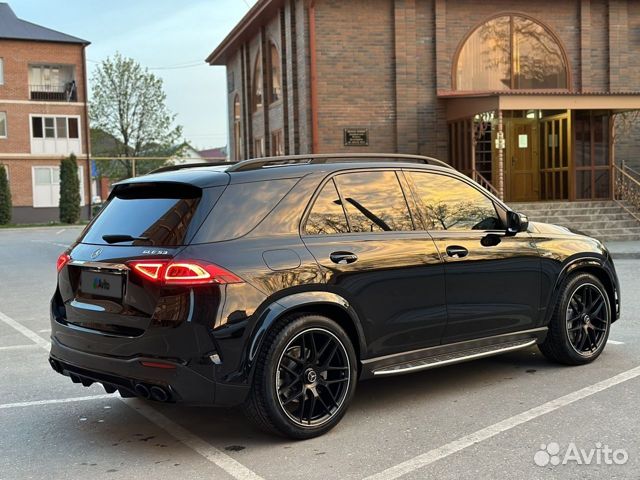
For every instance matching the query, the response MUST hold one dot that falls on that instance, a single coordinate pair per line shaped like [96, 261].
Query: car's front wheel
[580, 323]
[305, 377]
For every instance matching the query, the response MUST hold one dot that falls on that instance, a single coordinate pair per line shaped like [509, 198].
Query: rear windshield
[160, 213]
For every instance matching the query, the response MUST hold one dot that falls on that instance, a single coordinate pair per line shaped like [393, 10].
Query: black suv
[277, 283]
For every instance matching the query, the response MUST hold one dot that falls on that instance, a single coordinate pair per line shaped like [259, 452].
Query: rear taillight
[183, 273]
[63, 259]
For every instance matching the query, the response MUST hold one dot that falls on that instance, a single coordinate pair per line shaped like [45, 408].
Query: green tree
[129, 105]
[69, 190]
[5, 197]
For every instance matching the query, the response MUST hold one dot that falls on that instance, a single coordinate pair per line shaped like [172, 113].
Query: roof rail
[173, 168]
[313, 159]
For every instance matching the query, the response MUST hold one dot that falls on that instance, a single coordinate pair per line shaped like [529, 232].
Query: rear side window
[160, 212]
[374, 202]
[241, 208]
[327, 215]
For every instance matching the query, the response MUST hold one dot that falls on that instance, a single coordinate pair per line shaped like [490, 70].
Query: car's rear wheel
[304, 379]
[580, 323]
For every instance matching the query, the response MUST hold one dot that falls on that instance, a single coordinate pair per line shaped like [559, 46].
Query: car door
[361, 233]
[492, 279]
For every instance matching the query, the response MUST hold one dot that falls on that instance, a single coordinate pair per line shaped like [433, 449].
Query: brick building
[521, 95]
[43, 114]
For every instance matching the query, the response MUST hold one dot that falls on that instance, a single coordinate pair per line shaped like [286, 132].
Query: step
[561, 205]
[454, 357]
[598, 224]
[574, 211]
[582, 218]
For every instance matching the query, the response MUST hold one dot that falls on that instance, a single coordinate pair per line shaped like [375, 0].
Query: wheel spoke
[324, 405]
[289, 370]
[312, 408]
[330, 356]
[295, 397]
[596, 307]
[314, 351]
[293, 359]
[339, 380]
[304, 398]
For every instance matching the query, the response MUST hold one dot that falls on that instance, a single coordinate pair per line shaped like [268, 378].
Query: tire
[580, 322]
[305, 377]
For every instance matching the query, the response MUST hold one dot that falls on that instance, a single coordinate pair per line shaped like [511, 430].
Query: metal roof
[11, 27]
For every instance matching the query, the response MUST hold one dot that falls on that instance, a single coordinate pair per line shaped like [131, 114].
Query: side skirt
[433, 357]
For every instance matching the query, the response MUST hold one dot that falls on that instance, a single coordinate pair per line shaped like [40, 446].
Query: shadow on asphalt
[230, 428]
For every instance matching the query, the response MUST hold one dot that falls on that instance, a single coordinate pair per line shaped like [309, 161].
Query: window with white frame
[55, 127]
[1, 71]
[52, 135]
[46, 186]
[3, 124]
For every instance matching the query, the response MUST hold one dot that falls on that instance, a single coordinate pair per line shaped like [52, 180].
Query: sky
[171, 37]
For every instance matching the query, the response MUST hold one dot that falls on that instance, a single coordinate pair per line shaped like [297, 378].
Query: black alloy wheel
[580, 322]
[305, 377]
[587, 319]
[313, 377]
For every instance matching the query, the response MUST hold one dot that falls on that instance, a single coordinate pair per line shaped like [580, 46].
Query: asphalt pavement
[511, 416]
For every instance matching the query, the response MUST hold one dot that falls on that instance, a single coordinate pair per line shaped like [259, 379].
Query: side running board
[454, 357]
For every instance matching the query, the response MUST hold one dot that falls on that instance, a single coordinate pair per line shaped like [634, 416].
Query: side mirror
[516, 222]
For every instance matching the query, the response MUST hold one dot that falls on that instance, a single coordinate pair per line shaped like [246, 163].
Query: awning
[466, 104]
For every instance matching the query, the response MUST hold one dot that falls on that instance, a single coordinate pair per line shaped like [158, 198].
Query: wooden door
[522, 160]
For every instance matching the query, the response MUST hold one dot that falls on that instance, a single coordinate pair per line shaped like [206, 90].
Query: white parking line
[18, 347]
[54, 401]
[615, 342]
[30, 334]
[208, 451]
[492, 430]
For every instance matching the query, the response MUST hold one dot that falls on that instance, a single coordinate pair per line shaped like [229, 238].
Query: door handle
[457, 251]
[343, 257]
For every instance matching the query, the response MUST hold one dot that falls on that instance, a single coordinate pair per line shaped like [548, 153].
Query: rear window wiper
[123, 238]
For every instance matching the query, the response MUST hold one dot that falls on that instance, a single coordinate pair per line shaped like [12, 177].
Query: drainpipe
[313, 73]
[87, 145]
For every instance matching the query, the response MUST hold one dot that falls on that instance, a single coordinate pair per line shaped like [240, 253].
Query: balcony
[61, 92]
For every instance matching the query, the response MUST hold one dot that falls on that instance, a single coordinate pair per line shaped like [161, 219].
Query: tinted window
[327, 216]
[451, 204]
[161, 212]
[374, 202]
[241, 208]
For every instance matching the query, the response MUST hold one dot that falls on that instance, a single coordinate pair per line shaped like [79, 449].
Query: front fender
[296, 301]
[593, 262]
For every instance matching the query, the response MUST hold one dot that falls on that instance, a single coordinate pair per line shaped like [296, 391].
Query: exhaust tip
[159, 394]
[142, 390]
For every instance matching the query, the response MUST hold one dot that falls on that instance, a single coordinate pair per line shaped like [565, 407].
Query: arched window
[257, 99]
[511, 52]
[237, 129]
[275, 82]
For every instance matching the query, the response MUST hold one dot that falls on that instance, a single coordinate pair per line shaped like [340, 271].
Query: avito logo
[101, 284]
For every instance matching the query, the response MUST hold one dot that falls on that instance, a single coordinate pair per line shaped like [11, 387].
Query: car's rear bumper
[130, 377]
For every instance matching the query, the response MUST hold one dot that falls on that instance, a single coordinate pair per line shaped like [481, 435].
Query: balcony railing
[64, 92]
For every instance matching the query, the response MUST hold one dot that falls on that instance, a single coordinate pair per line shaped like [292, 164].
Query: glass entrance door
[555, 165]
[593, 152]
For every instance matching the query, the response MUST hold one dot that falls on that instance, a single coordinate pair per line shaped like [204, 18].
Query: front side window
[327, 215]
[3, 124]
[374, 202]
[447, 203]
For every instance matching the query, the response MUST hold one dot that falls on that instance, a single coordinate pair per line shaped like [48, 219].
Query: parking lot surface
[501, 417]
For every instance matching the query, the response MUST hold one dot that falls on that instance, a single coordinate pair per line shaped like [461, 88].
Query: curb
[625, 255]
